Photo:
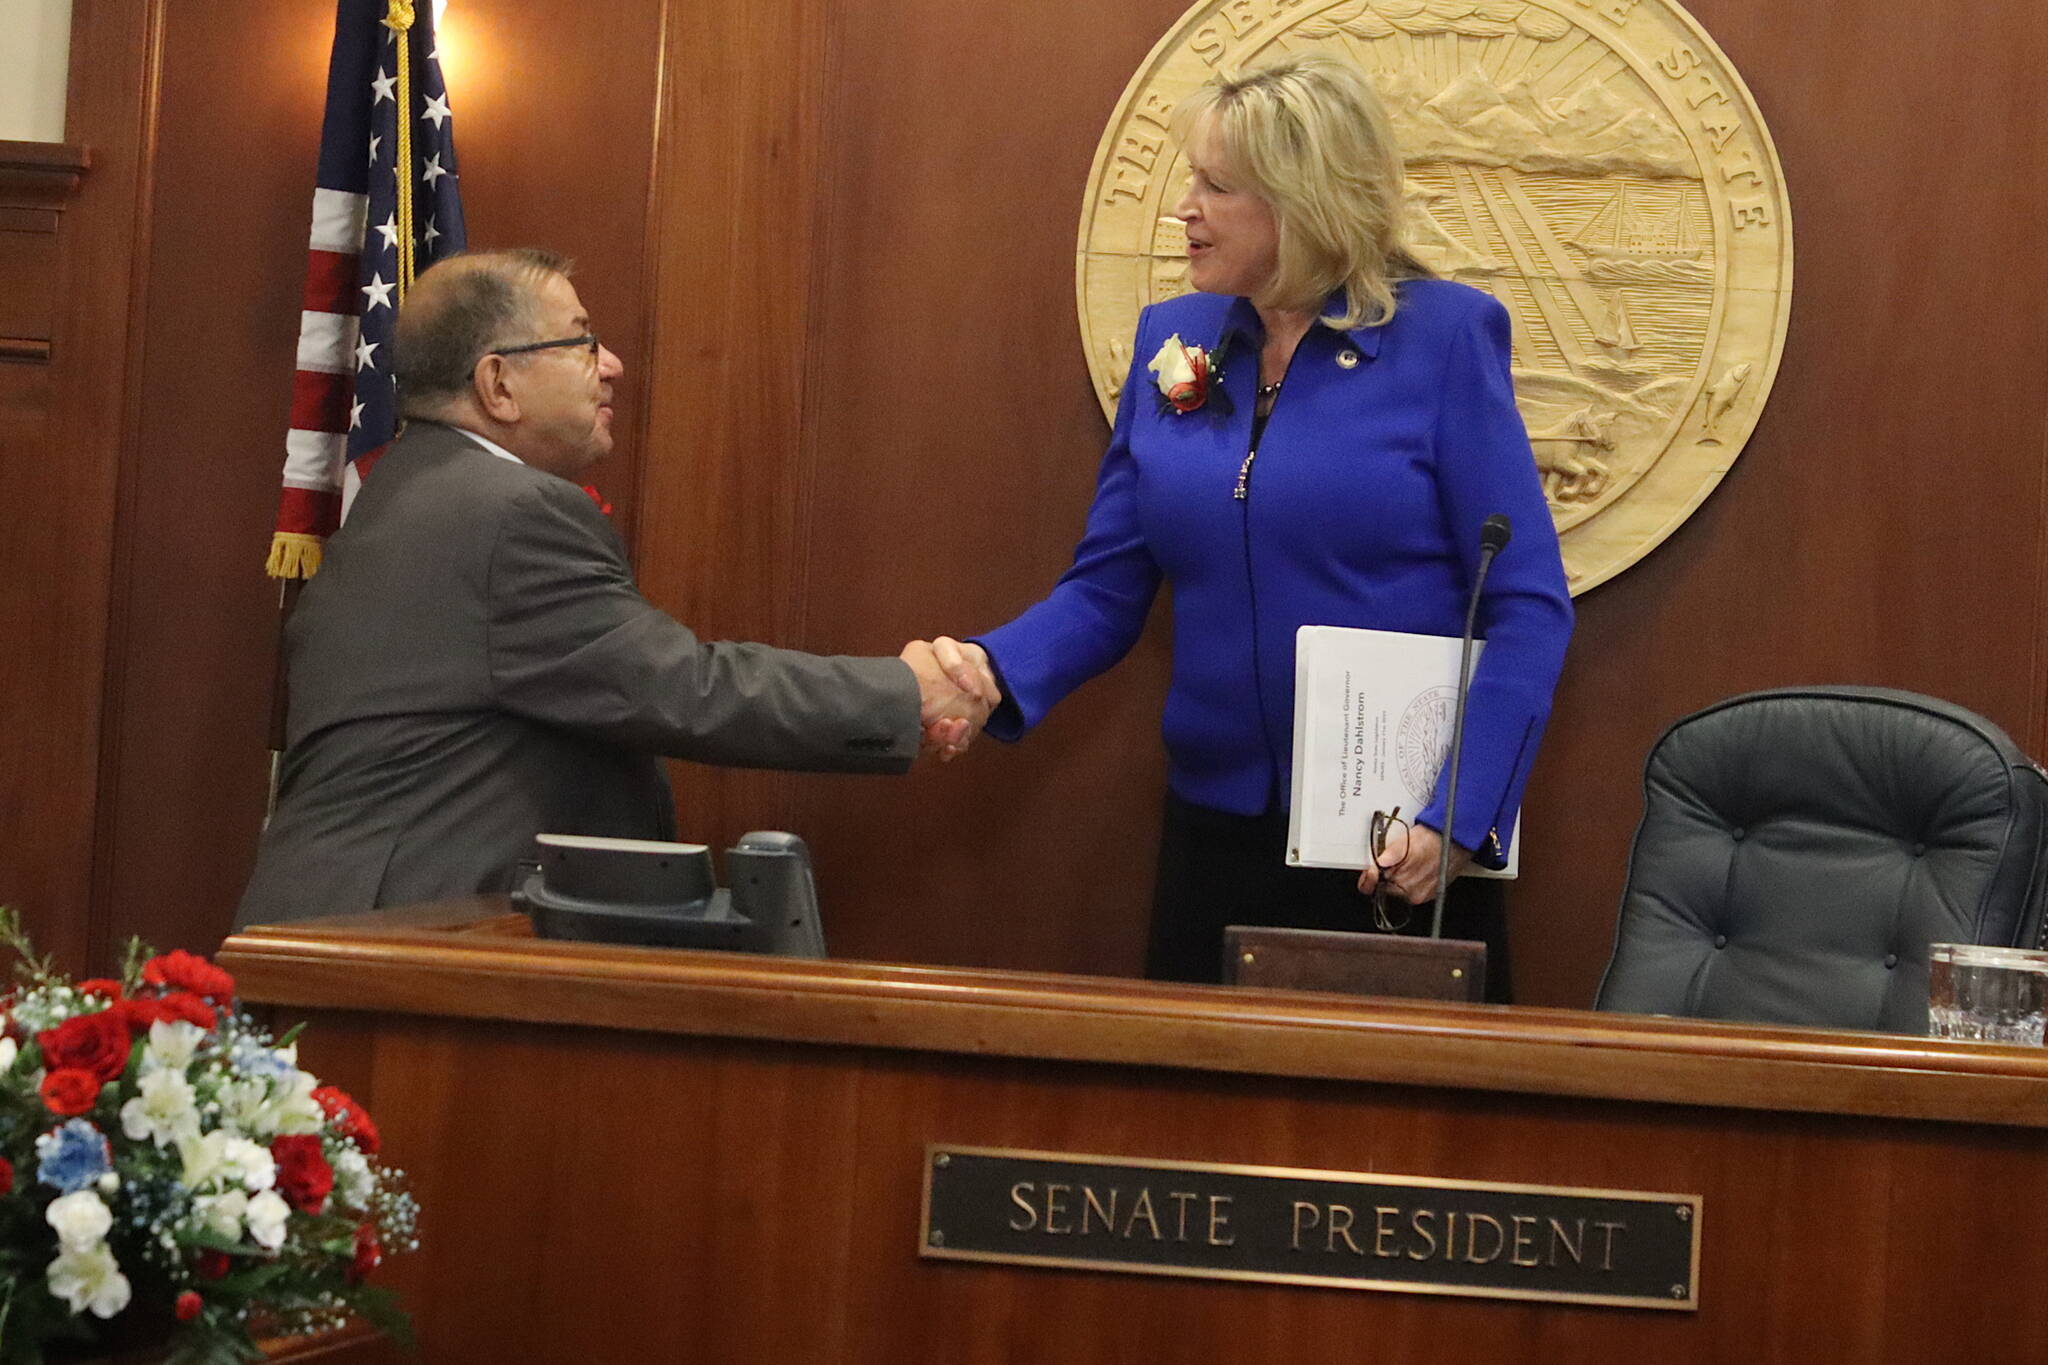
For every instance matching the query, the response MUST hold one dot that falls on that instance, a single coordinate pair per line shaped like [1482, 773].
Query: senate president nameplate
[1339, 1229]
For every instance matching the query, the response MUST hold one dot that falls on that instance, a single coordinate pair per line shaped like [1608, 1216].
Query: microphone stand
[1493, 537]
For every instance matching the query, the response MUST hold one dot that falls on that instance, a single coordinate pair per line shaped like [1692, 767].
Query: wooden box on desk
[1451, 969]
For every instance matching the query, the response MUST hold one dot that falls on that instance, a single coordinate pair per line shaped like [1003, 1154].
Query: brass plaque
[1341, 1229]
[1596, 165]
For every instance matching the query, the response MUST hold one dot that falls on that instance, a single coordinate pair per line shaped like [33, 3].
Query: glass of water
[1986, 995]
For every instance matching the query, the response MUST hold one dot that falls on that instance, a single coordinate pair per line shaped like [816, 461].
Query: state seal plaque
[1596, 165]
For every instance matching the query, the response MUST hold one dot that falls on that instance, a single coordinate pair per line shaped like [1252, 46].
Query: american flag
[387, 206]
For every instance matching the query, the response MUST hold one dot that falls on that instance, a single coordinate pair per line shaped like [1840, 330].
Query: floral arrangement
[167, 1172]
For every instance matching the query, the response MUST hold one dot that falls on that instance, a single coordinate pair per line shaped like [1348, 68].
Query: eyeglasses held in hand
[588, 341]
[1384, 837]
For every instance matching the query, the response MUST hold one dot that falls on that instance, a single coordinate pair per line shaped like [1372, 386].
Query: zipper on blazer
[1242, 492]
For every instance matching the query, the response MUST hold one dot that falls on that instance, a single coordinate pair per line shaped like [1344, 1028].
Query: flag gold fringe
[293, 554]
[399, 19]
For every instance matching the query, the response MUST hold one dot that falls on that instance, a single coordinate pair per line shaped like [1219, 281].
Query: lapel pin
[1347, 360]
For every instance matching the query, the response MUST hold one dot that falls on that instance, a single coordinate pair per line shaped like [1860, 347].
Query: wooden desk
[639, 1155]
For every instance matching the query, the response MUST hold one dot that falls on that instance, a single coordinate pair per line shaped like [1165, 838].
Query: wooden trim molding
[44, 168]
[474, 959]
[58, 158]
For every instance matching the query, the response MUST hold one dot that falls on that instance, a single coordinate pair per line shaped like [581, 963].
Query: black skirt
[1217, 869]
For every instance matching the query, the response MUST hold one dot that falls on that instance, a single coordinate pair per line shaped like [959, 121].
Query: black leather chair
[1800, 848]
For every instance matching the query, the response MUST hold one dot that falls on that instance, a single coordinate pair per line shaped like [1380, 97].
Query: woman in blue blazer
[1313, 438]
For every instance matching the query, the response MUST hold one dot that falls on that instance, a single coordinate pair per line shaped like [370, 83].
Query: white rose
[81, 1220]
[165, 1111]
[8, 1050]
[172, 1043]
[89, 1279]
[267, 1213]
[1172, 364]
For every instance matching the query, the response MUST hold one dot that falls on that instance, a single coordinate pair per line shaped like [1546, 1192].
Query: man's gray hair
[472, 302]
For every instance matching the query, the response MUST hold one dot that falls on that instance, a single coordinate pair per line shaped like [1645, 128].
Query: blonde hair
[1309, 136]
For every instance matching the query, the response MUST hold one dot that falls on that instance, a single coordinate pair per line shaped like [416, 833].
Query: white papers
[1372, 728]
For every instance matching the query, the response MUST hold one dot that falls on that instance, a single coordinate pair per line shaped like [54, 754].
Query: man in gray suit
[473, 664]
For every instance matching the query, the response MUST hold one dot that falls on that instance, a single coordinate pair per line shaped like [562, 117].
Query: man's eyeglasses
[1389, 833]
[588, 341]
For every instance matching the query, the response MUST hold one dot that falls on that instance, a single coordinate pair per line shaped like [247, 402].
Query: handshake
[956, 691]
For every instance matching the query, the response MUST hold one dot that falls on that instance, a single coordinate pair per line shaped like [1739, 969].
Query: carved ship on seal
[1614, 234]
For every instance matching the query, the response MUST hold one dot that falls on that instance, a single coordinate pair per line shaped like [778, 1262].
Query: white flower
[1184, 373]
[172, 1043]
[89, 1279]
[353, 1182]
[165, 1110]
[265, 1108]
[222, 1214]
[267, 1213]
[295, 1109]
[81, 1220]
[8, 1049]
[251, 1163]
[109, 1182]
[202, 1156]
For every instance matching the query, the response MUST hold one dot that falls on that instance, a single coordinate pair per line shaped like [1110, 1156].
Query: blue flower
[253, 1060]
[73, 1156]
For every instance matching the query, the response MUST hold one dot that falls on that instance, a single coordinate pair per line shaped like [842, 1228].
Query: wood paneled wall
[834, 245]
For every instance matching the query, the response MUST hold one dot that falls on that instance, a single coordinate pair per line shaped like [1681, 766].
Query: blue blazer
[1387, 449]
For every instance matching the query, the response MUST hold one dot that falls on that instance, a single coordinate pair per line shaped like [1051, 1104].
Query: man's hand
[1413, 878]
[952, 714]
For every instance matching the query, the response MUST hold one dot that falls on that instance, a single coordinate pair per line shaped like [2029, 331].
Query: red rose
[303, 1176]
[369, 1253]
[69, 1091]
[188, 1306]
[183, 971]
[6, 1176]
[101, 986]
[97, 1043]
[350, 1119]
[211, 1265]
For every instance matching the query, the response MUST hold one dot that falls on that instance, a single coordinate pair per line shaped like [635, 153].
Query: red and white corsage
[1187, 375]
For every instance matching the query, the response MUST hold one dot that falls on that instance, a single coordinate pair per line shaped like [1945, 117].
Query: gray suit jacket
[473, 665]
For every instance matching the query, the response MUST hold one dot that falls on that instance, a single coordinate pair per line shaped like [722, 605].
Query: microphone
[1493, 538]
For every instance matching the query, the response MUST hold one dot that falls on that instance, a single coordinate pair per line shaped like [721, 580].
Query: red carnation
[101, 986]
[303, 1176]
[96, 1043]
[70, 1091]
[188, 1007]
[351, 1120]
[183, 971]
[188, 1306]
[369, 1253]
[138, 1013]
[211, 1264]
[6, 1176]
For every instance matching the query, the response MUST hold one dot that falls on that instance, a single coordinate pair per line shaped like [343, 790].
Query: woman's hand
[1413, 878]
[967, 665]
